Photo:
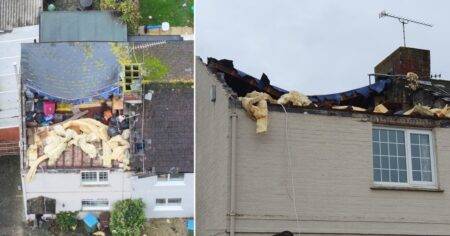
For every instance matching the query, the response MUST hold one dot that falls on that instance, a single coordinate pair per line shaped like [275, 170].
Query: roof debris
[255, 103]
[84, 133]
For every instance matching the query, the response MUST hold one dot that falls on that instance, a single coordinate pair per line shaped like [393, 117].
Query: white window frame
[94, 208]
[97, 181]
[169, 180]
[410, 182]
[169, 206]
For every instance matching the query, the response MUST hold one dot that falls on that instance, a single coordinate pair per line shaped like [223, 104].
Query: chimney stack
[404, 60]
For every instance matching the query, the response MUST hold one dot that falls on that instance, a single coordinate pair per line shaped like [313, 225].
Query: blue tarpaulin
[365, 91]
[71, 72]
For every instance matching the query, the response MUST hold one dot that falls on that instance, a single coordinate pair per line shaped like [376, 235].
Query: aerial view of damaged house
[106, 121]
[369, 161]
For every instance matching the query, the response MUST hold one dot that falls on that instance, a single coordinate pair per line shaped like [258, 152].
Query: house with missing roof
[369, 161]
[92, 87]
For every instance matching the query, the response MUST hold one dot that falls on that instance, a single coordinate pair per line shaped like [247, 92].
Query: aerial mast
[403, 21]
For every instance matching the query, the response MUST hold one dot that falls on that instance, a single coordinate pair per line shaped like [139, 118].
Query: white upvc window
[168, 204]
[171, 177]
[94, 177]
[403, 157]
[94, 205]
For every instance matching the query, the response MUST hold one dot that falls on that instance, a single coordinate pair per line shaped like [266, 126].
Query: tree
[128, 217]
[129, 10]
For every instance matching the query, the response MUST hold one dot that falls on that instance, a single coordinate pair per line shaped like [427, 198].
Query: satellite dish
[165, 26]
[85, 3]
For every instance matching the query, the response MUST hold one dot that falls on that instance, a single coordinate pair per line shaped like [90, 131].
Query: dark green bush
[128, 217]
[67, 220]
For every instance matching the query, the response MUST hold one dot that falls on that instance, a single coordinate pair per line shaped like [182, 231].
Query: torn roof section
[71, 72]
[392, 88]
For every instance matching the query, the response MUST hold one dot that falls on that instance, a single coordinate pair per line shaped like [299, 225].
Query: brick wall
[9, 141]
[404, 60]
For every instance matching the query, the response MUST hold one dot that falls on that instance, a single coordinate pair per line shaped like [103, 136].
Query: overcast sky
[318, 47]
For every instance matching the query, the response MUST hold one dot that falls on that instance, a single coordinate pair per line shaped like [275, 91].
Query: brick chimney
[404, 60]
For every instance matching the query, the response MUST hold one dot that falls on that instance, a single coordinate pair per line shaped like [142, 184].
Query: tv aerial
[403, 21]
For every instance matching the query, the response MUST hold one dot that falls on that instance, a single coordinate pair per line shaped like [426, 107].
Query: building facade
[321, 172]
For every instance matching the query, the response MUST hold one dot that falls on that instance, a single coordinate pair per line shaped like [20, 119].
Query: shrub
[128, 217]
[67, 220]
[129, 10]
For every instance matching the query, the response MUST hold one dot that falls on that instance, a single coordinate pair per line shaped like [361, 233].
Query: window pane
[421, 161]
[394, 176]
[425, 151]
[414, 138]
[402, 176]
[393, 149]
[426, 176]
[425, 164]
[103, 176]
[384, 149]
[160, 201]
[376, 162]
[424, 139]
[383, 135]
[401, 150]
[377, 175]
[385, 175]
[88, 176]
[393, 163]
[417, 176]
[416, 163]
[174, 201]
[400, 136]
[376, 135]
[402, 163]
[415, 151]
[177, 177]
[385, 162]
[162, 177]
[392, 136]
[376, 148]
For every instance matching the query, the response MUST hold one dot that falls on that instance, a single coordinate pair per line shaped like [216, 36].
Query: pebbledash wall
[68, 191]
[332, 169]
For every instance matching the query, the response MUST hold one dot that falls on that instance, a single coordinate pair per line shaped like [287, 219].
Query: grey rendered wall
[212, 155]
[332, 165]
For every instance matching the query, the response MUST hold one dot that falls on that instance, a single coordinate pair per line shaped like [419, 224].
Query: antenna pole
[404, 35]
[403, 21]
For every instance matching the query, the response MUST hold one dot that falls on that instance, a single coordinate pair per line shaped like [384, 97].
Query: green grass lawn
[176, 12]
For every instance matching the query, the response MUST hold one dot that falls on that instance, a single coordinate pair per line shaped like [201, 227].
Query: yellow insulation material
[255, 103]
[296, 98]
[380, 108]
[33, 168]
[419, 110]
[82, 133]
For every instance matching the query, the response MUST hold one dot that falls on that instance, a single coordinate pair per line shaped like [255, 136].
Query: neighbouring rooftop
[19, 13]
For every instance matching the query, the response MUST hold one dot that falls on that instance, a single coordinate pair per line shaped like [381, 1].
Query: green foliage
[67, 220]
[128, 217]
[129, 10]
[154, 69]
[176, 12]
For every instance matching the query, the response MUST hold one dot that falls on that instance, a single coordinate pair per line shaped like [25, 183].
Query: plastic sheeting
[71, 72]
[365, 91]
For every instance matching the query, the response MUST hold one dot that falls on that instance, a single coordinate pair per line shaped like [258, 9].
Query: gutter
[233, 174]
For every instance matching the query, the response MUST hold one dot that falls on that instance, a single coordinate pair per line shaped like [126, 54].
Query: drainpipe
[233, 174]
[22, 137]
